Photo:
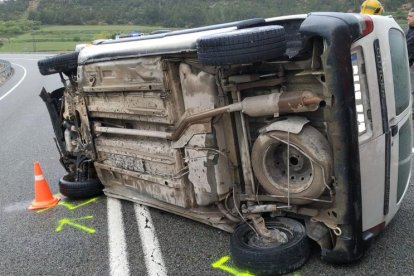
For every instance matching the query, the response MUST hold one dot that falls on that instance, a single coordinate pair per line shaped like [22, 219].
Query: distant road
[106, 236]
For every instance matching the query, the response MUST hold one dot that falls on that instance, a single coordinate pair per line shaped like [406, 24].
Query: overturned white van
[277, 130]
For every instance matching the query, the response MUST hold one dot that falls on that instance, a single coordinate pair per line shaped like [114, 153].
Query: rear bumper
[343, 131]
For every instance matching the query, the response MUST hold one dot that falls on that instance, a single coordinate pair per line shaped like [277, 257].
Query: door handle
[394, 130]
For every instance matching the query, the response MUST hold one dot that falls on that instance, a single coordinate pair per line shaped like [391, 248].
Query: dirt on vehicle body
[250, 123]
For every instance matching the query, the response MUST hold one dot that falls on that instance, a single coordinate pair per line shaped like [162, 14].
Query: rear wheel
[69, 187]
[259, 257]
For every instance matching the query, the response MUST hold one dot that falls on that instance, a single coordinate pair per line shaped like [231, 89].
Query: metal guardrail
[6, 71]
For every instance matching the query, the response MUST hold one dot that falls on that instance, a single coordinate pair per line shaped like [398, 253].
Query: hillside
[13, 10]
[171, 13]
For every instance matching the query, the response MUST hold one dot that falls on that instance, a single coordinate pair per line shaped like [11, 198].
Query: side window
[404, 158]
[399, 62]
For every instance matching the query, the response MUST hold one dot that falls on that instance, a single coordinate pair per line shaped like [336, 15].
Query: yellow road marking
[220, 264]
[73, 207]
[70, 222]
[70, 206]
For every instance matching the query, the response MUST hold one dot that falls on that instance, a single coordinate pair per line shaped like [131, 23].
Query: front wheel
[250, 252]
[69, 187]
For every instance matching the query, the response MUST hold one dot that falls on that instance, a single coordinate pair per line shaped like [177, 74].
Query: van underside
[216, 136]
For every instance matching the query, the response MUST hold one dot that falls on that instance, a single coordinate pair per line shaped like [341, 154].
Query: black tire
[249, 23]
[270, 258]
[64, 63]
[79, 189]
[242, 46]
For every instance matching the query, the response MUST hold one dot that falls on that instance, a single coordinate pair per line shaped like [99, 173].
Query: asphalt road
[32, 243]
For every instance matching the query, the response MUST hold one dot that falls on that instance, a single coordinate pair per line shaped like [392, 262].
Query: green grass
[65, 38]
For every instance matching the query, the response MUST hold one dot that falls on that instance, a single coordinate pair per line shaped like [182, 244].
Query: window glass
[404, 158]
[400, 70]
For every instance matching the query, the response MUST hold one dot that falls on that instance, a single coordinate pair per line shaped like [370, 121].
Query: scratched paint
[71, 223]
[221, 264]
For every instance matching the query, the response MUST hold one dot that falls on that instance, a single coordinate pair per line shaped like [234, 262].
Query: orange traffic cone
[43, 195]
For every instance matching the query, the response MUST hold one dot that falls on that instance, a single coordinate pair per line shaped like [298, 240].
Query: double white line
[118, 256]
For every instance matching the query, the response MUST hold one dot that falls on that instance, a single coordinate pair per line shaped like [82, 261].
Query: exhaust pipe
[274, 104]
[278, 104]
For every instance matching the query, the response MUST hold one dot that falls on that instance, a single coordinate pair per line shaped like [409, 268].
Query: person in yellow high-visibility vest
[372, 7]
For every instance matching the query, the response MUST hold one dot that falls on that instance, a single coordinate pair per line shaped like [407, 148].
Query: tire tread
[271, 261]
[242, 46]
[79, 189]
[58, 64]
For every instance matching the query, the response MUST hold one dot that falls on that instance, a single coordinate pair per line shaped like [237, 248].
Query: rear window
[399, 62]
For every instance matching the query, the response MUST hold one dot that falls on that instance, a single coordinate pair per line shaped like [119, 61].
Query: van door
[397, 123]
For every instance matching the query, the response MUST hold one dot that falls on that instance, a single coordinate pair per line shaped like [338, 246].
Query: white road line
[412, 150]
[17, 84]
[150, 246]
[118, 259]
